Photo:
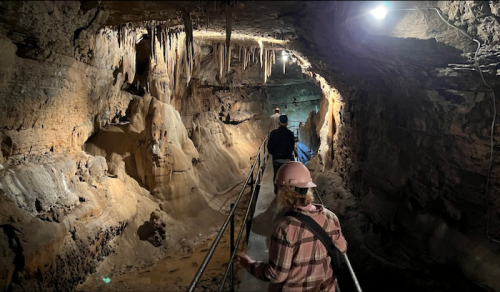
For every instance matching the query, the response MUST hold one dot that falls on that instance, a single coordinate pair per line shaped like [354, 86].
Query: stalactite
[261, 52]
[248, 56]
[187, 66]
[172, 59]
[164, 44]
[245, 58]
[265, 66]
[283, 64]
[228, 59]
[229, 23]
[221, 60]
[151, 38]
[189, 51]
[274, 57]
[215, 52]
[239, 53]
[125, 38]
[176, 69]
[118, 35]
[269, 63]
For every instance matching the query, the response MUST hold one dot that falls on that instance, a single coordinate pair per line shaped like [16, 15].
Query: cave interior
[126, 128]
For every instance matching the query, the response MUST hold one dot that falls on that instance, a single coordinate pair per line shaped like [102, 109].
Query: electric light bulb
[379, 12]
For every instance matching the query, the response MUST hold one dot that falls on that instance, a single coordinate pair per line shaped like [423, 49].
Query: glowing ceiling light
[284, 58]
[379, 12]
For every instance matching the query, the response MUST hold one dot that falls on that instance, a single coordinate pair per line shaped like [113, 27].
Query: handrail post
[231, 240]
[249, 219]
[260, 165]
[251, 181]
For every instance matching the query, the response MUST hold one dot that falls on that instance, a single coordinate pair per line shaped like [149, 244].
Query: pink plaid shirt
[298, 261]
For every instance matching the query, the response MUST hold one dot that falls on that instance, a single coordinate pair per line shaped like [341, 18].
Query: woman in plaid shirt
[298, 261]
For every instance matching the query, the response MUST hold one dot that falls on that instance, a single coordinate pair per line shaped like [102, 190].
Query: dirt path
[176, 270]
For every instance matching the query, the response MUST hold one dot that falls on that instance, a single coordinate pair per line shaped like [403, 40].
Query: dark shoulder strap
[315, 228]
[337, 260]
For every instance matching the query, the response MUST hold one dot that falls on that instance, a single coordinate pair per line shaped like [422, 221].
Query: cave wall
[93, 143]
[410, 124]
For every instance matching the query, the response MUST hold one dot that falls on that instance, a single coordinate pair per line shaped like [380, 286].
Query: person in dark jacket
[281, 146]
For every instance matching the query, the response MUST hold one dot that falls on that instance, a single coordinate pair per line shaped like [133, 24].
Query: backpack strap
[335, 254]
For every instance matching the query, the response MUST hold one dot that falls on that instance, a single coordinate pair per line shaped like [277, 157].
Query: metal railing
[260, 162]
[348, 263]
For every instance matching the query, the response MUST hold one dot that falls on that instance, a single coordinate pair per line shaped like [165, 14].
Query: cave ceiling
[338, 39]
[335, 35]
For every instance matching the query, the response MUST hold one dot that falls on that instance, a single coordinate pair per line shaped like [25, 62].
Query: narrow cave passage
[128, 128]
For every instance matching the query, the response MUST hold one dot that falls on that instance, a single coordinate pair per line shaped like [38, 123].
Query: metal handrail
[210, 253]
[245, 221]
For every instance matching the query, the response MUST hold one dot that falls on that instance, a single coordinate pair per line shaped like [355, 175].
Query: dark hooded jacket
[281, 143]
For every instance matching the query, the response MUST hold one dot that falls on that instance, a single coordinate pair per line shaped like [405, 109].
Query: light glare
[285, 58]
[379, 12]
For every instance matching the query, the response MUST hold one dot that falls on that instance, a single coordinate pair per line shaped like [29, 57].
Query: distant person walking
[274, 120]
[298, 260]
[281, 146]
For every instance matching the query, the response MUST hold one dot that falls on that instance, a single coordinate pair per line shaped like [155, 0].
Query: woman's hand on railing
[243, 260]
